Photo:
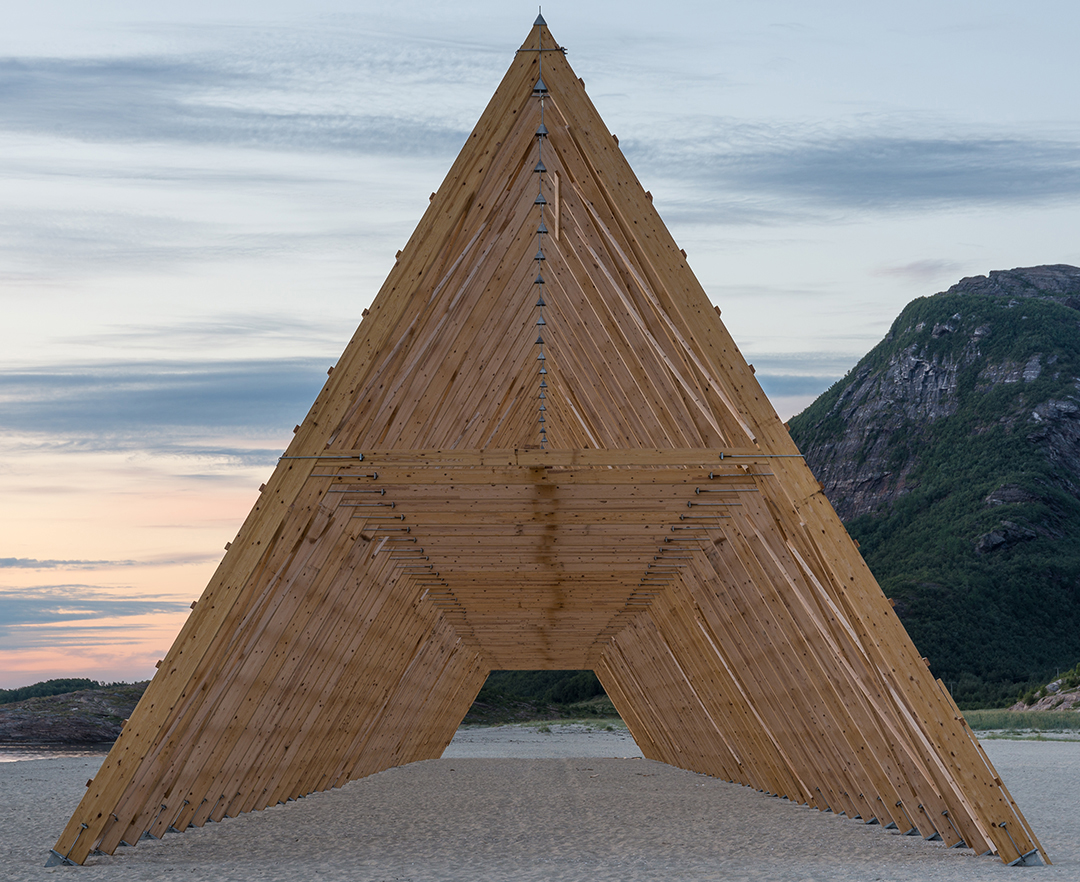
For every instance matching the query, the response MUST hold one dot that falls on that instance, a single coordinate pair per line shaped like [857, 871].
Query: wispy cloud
[276, 91]
[185, 335]
[51, 241]
[54, 604]
[207, 100]
[922, 271]
[29, 563]
[865, 170]
[256, 396]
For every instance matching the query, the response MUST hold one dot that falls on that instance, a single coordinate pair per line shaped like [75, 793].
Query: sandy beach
[515, 803]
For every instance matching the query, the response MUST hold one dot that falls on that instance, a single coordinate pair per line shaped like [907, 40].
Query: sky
[198, 200]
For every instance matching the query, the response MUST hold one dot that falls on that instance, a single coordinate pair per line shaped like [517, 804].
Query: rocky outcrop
[952, 452]
[86, 716]
[883, 415]
[1057, 434]
[1005, 535]
[1056, 698]
[1058, 282]
[865, 445]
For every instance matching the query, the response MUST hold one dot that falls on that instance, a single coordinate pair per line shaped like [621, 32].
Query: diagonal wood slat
[417, 535]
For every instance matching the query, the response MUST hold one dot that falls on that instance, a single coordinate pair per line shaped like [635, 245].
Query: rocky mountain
[952, 452]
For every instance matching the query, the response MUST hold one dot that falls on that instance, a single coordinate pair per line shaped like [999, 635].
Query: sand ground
[514, 803]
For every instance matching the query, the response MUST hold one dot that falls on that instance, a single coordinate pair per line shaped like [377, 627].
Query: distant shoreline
[21, 751]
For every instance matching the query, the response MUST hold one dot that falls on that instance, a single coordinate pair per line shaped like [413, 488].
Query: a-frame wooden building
[542, 450]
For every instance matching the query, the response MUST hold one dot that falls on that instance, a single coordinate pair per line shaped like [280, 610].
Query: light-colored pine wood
[415, 537]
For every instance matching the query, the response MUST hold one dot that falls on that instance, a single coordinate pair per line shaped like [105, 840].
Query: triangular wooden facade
[669, 536]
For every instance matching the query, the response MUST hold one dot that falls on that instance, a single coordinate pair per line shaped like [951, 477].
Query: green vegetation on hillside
[515, 696]
[1068, 680]
[1005, 616]
[46, 687]
[1015, 722]
[549, 687]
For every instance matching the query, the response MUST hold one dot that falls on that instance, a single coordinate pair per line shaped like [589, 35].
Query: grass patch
[1028, 721]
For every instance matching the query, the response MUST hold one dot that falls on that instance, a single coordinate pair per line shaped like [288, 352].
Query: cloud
[210, 100]
[138, 399]
[864, 170]
[55, 240]
[29, 563]
[54, 604]
[391, 94]
[922, 270]
[185, 335]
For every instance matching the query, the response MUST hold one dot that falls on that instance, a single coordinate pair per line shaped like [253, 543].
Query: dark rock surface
[883, 413]
[86, 716]
[1058, 282]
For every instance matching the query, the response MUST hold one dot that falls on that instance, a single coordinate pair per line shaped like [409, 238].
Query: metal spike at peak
[540, 22]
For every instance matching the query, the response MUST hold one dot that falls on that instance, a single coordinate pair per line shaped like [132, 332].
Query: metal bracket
[55, 858]
[1031, 859]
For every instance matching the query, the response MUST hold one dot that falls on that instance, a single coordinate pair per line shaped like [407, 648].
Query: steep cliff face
[864, 436]
[952, 452]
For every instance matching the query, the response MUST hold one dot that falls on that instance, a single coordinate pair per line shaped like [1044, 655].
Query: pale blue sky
[198, 200]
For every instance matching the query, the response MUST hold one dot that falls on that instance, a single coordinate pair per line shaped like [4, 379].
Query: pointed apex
[540, 21]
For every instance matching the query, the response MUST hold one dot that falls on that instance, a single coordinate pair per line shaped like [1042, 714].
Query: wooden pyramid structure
[542, 450]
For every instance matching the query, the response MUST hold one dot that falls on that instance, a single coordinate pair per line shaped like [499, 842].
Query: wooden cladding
[414, 536]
